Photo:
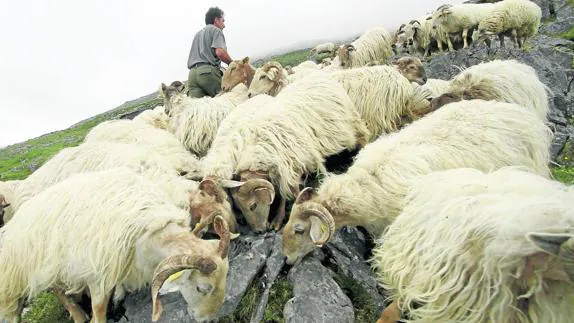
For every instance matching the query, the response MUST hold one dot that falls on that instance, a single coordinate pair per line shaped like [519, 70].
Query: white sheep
[8, 200]
[291, 136]
[480, 247]
[417, 34]
[460, 19]
[161, 141]
[518, 18]
[102, 230]
[97, 156]
[323, 48]
[155, 117]
[501, 80]
[374, 45]
[485, 135]
[194, 121]
[434, 87]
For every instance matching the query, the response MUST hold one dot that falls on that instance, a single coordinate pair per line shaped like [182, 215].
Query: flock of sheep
[451, 179]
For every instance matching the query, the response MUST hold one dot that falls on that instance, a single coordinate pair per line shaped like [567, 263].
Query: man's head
[214, 16]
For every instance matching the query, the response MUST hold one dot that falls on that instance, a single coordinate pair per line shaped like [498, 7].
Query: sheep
[373, 45]
[324, 48]
[289, 137]
[501, 80]
[69, 237]
[8, 200]
[480, 247]
[140, 133]
[239, 71]
[96, 156]
[398, 39]
[460, 19]
[417, 34]
[434, 87]
[194, 122]
[382, 96]
[481, 134]
[519, 19]
[155, 117]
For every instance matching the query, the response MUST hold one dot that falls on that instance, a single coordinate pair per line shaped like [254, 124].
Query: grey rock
[317, 297]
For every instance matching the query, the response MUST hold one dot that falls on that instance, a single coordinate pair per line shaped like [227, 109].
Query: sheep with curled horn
[479, 134]
[117, 210]
[269, 79]
[238, 72]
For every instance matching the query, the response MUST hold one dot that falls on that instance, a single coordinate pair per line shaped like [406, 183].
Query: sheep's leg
[100, 301]
[391, 314]
[280, 213]
[501, 38]
[464, 36]
[78, 315]
[449, 43]
[514, 37]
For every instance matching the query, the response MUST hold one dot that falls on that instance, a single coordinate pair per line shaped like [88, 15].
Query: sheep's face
[344, 54]
[267, 80]
[412, 69]
[254, 198]
[205, 293]
[208, 200]
[237, 72]
[167, 92]
[310, 226]
[441, 15]
[444, 99]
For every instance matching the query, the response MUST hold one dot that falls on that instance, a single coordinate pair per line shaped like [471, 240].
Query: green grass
[564, 175]
[280, 293]
[46, 309]
[569, 34]
[365, 308]
[292, 58]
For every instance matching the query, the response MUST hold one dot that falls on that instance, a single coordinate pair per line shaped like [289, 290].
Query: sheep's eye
[299, 231]
[252, 207]
[262, 77]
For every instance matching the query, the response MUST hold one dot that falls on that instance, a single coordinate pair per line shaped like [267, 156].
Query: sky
[63, 61]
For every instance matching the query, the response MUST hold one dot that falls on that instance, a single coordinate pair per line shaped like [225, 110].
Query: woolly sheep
[118, 210]
[159, 140]
[8, 200]
[434, 87]
[417, 34]
[155, 117]
[239, 71]
[460, 19]
[480, 134]
[323, 48]
[194, 121]
[480, 247]
[96, 156]
[501, 80]
[519, 18]
[373, 45]
[311, 119]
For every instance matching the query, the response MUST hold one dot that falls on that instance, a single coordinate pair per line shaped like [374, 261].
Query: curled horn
[251, 185]
[315, 209]
[350, 47]
[222, 229]
[170, 266]
[204, 222]
[268, 69]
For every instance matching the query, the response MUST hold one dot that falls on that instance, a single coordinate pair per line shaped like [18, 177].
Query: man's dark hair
[211, 14]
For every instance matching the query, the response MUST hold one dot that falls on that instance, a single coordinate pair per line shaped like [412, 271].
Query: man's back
[204, 44]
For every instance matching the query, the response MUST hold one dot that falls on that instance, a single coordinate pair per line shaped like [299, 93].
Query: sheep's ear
[548, 242]
[228, 183]
[305, 195]
[5, 205]
[245, 60]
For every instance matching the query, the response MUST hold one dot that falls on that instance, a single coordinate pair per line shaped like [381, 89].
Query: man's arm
[223, 55]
